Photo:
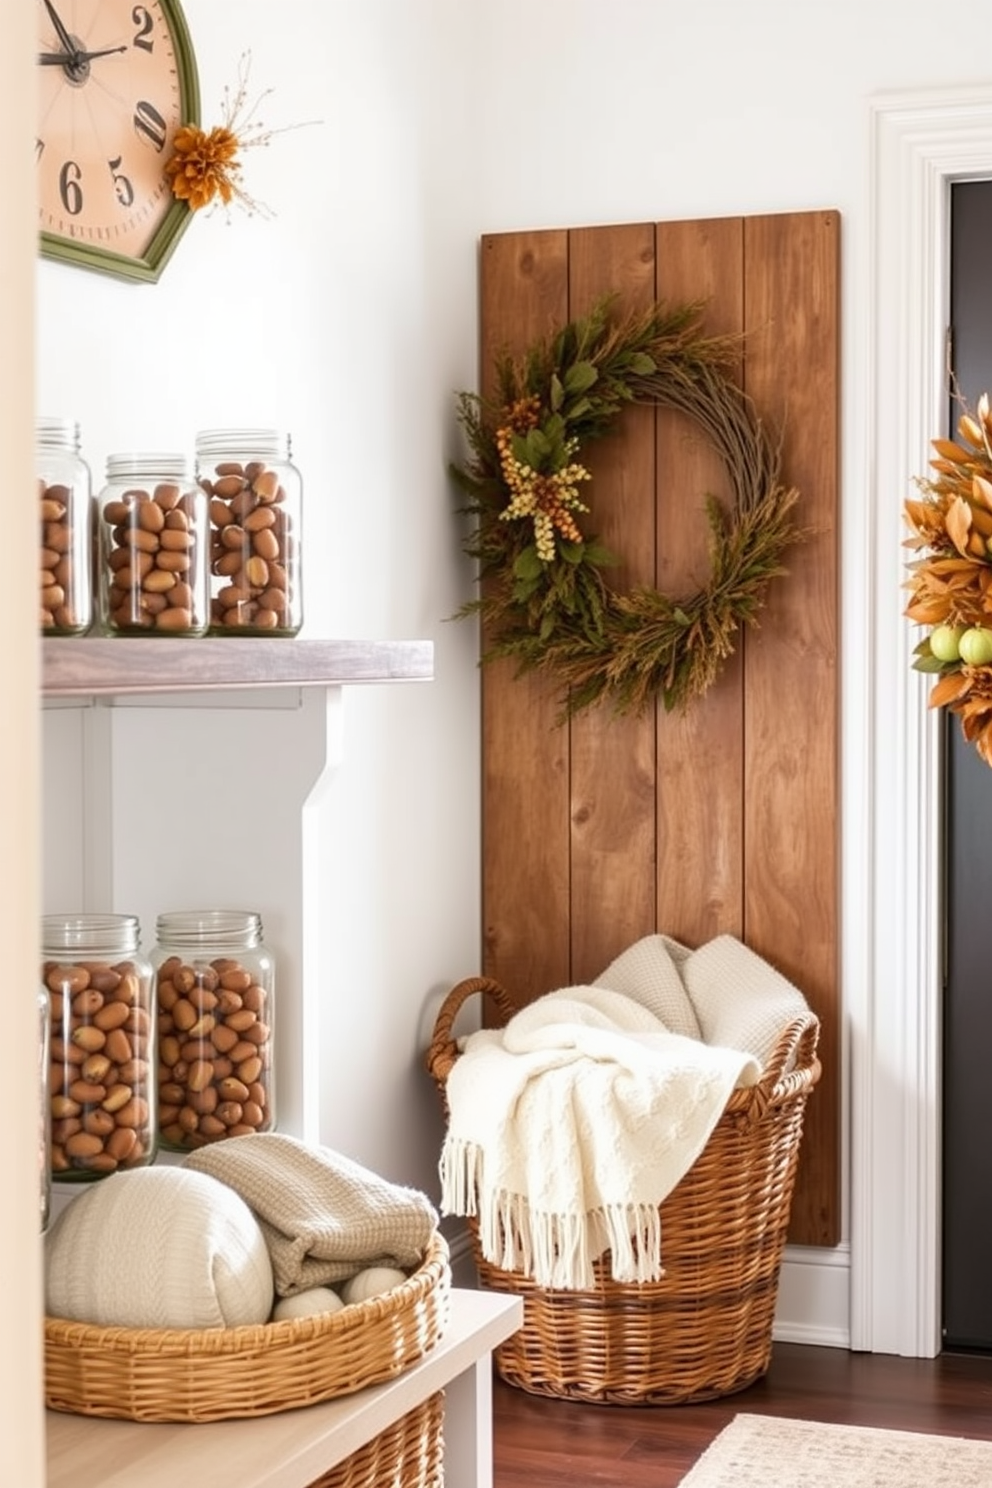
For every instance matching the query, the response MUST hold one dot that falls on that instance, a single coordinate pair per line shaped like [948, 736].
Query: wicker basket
[210, 1374]
[705, 1329]
[407, 1454]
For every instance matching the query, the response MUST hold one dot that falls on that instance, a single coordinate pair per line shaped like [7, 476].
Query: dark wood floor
[544, 1443]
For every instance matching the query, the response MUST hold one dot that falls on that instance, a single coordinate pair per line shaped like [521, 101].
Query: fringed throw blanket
[568, 1128]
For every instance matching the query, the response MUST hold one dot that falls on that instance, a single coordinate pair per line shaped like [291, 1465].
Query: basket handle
[795, 1051]
[443, 1050]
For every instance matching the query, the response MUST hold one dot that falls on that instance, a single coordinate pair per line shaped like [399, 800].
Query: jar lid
[89, 932]
[192, 927]
[147, 466]
[60, 433]
[269, 444]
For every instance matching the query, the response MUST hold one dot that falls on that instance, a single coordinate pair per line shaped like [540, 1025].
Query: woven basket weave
[210, 1374]
[705, 1329]
[408, 1454]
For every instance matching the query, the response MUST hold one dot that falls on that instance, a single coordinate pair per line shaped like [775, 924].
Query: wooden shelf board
[103, 666]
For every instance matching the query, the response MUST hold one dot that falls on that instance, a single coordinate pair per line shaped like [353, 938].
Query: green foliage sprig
[544, 596]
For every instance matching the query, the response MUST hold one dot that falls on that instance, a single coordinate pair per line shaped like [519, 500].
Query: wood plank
[613, 768]
[700, 752]
[525, 759]
[539, 1441]
[791, 858]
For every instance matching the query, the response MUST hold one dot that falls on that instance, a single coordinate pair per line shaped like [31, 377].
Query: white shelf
[101, 666]
[294, 1448]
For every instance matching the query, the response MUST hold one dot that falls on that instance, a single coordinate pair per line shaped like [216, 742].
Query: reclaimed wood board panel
[791, 861]
[613, 777]
[700, 766]
[722, 819]
[525, 758]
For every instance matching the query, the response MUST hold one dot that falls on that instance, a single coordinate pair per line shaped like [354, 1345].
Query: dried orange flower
[204, 165]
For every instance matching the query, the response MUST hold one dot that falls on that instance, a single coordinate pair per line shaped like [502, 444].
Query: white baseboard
[813, 1295]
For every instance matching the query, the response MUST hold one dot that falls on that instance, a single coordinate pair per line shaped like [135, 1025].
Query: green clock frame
[147, 267]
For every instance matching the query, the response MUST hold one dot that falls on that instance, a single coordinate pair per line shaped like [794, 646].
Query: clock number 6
[69, 188]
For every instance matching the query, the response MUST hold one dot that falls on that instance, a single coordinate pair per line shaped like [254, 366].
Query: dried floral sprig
[206, 167]
[544, 599]
[950, 578]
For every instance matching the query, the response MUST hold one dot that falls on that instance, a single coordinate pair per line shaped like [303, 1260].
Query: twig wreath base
[544, 598]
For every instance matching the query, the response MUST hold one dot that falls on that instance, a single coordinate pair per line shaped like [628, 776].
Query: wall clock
[116, 80]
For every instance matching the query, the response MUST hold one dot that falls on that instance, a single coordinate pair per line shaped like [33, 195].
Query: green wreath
[544, 599]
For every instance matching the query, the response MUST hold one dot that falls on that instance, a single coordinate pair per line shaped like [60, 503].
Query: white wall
[350, 318]
[21, 1436]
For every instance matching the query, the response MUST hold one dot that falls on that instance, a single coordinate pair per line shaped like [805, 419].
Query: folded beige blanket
[324, 1217]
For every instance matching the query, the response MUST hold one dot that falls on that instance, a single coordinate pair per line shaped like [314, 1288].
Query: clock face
[116, 79]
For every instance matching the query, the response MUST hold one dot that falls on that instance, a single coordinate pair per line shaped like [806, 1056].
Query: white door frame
[920, 144]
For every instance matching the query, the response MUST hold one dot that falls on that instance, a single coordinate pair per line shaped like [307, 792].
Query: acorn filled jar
[254, 494]
[214, 990]
[65, 513]
[101, 1053]
[152, 549]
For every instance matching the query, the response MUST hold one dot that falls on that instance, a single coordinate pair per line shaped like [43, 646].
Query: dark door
[967, 1062]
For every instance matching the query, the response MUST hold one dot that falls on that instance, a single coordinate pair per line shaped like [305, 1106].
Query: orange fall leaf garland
[950, 574]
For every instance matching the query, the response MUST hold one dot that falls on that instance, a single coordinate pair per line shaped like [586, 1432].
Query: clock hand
[73, 59]
[60, 29]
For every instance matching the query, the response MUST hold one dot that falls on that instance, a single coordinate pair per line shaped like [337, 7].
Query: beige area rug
[769, 1452]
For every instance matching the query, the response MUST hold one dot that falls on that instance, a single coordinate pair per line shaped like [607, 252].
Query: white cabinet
[186, 774]
[182, 774]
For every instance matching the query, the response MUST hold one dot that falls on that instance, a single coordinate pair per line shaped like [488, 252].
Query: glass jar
[65, 496]
[255, 500]
[101, 1064]
[152, 549]
[214, 989]
[44, 1129]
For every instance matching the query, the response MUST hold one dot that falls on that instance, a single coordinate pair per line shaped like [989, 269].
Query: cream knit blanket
[568, 1128]
[324, 1217]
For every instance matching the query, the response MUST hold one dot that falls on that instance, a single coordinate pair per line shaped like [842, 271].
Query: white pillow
[650, 972]
[158, 1248]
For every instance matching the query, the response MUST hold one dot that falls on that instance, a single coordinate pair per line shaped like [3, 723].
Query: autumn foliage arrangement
[950, 579]
[545, 600]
